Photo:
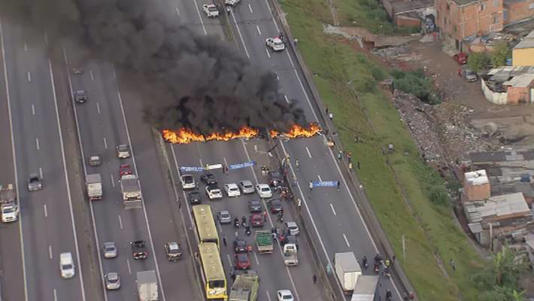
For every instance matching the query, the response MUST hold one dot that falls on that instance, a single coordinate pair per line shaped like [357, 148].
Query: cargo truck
[9, 208]
[264, 241]
[94, 186]
[131, 191]
[347, 270]
[245, 287]
[147, 286]
[365, 288]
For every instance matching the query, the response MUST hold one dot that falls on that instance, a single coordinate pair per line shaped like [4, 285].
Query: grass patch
[428, 227]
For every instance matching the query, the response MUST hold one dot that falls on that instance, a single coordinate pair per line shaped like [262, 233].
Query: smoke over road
[207, 84]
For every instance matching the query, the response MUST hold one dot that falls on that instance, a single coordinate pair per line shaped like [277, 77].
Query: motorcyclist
[389, 295]
[236, 222]
[297, 163]
[247, 230]
[364, 262]
[244, 221]
[378, 258]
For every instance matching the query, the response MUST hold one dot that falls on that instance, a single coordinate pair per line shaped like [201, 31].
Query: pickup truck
[264, 241]
[131, 192]
[94, 186]
[290, 254]
[9, 208]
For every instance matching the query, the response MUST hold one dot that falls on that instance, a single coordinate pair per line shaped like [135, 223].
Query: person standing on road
[311, 185]
[224, 240]
[314, 279]
[338, 185]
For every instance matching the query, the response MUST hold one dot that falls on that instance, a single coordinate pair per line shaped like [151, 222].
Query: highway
[46, 220]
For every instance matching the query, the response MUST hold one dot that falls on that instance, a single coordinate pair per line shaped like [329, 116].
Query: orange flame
[184, 135]
[297, 131]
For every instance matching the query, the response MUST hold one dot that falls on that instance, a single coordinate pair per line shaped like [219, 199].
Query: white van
[66, 265]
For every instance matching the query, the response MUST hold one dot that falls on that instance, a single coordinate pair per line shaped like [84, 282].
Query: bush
[500, 53]
[478, 61]
[416, 83]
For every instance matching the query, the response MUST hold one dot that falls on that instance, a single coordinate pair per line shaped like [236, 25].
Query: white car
[188, 182]
[246, 187]
[231, 2]
[210, 10]
[66, 265]
[232, 190]
[123, 151]
[293, 228]
[213, 192]
[113, 281]
[276, 44]
[285, 295]
[264, 191]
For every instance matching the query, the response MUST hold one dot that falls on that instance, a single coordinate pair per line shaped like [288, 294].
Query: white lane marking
[33, 110]
[250, 8]
[29, 76]
[239, 32]
[308, 151]
[45, 211]
[267, 51]
[129, 268]
[14, 154]
[98, 107]
[112, 180]
[346, 240]
[41, 172]
[25, 46]
[177, 11]
[318, 176]
[256, 259]
[255, 147]
[37, 146]
[200, 160]
[46, 38]
[50, 251]
[120, 222]
[225, 162]
[333, 210]
[277, 77]
[113, 73]
[91, 74]
[55, 295]
[259, 32]
[105, 143]
[287, 99]
[268, 295]
[66, 178]
[229, 259]
[200, 17]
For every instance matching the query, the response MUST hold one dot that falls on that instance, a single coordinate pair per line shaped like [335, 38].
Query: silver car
[109, 249]
[113, 281]
[35, 182]
[246, 187]
[224, 217]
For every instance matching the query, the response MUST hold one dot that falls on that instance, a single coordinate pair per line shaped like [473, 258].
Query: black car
[275, 179]
[194, 197]
[241, 246]
[80, 96]
[139, 249]
[208, 179]
[275, 206]
[254, 206]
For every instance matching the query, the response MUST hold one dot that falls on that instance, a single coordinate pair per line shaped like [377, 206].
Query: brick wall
[517, 95]
[517, 10]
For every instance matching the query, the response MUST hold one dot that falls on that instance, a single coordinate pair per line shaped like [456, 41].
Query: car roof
[224, 211]
[254, 202]
[246, 182]
[291, 224]
[285, 292]
[113, 275]
[109, 243]
[231, 185]
[173, 245]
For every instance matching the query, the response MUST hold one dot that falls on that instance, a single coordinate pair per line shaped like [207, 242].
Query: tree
[500, 53]
[478, 61]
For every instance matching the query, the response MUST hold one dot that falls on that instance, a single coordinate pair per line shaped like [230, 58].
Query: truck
[365, 288]
[94, 186]
[147, 286]
[264, 241]
[245, 287]
[290, 254]
[347, 270]
[9, 208]
[131, 191]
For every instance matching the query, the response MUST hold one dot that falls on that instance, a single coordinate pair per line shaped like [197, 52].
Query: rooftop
[465, 2]
[478, 177]
[497, 207]
[404, 6]
[527, 42]
[505, 73]
[521, 81]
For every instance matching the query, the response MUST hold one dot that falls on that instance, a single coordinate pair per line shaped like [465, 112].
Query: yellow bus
[206, 229]
[212, 271]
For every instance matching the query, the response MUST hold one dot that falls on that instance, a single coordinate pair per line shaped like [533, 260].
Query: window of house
[495, 3]
[495, 18]
[482, 6]
[505, 14]
[531, 6]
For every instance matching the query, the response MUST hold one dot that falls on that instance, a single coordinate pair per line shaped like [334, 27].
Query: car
[276, 44]
[35, 182]
[224, 217]
[264, 191]
[77, 71]
[246, 187]
[469, 75]
[94, 160]
[285, 295]
[213, 192]
[80, 96]
[460, 58]
[231, 2]
[194, 197]
[210, 10]
[275, 206]
[109, 249]
[188, 182]
[113, 281]
[173, 251]
[123, 151]
[257, 219]
[208, 179]
[242, 262]
[66, 265]
[139, 251]
[124, 169]
[232, 190]
[286, 238]
[275, 179]
[292, 228]
[254, 206]
[241, 245]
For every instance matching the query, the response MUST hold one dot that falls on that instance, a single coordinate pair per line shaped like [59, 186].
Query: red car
[242, 262]
[124, 169]
[460, 58]
[257, 219]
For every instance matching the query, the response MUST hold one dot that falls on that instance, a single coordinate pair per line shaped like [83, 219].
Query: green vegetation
[478, 61]
[408, 197]
[500, 53]
[416, 83]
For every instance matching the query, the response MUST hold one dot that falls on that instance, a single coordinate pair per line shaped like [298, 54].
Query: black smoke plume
[208, 84]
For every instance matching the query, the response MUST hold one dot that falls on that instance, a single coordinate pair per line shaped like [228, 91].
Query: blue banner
[191, 168]
[325, 183]
[242, 165]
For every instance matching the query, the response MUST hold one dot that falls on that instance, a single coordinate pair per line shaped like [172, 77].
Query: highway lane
[47, 222]
[349, 232]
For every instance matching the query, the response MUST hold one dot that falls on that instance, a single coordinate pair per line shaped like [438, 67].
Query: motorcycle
[244, 221]
[389, 295]
[377, 268]
[247, 231]
[387, 272]
[236, 222]
[364, 263]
